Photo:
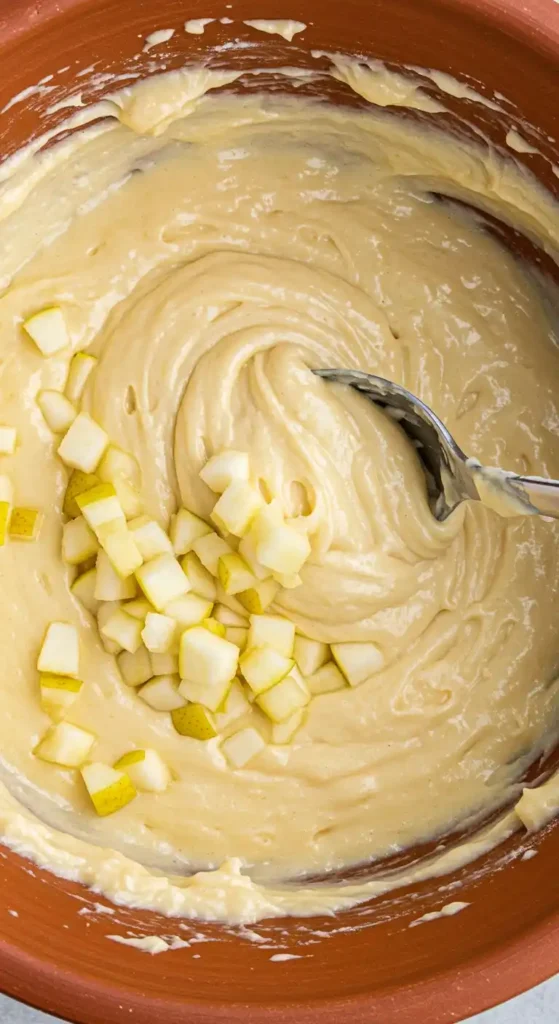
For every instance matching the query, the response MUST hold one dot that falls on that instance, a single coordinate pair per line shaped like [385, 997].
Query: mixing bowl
[368, 964]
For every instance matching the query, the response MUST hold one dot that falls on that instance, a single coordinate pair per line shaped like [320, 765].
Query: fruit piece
[6, 499]
[78, 483]
[120, 548]
[185, 529]
[100, 507]
[224, 615]
[222, 469]
[108, 584]
[326, 679]
[78, 542]
[58, 412]
[145, 769]
[60, 652]
[150, 537]
[282, 548]
[8, 439]
[195, 721]
[357, 661]
[260, 597]
[236, 635]
[207, 659]
[83, 446]
[247, 550]
[48, 330]
[109, 789]
[162, 580]
[83, 588]
[214, 626]
[235, 705]
[25, 523]
[282, 700]
[80, 368]
[210, 549]
[262, 667]
[162, 693]
[159, 632]
[138, 608]
[242, 747]
[123, 630]
[105, 610]
[310, 655]
[188, 610]
[237, 507]
[65, 744]
[234, 574]
[58, 693]
[274, 631]
[135, 668]
[289, 581]
[165, 664]
[201, 581]
[212, 697]
[121, 469]
[283, 732]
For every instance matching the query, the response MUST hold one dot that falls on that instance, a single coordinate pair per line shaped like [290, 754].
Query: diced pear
[159, 632]
[146, 769]
[100, 507]
[162, 693]
[236, 635]
[263, 667]
[150, 537]
[108, 584]
[25, 523]
[121, 469]
[206, 658]
[283, 548]
[310, 655]
[289, 581]
[210, 549]
[247, 550]
[214, 626]
[80, 368]
[189, 610]
[235, 705]
[78, 542]
[237, 507]
[260, 597]
[228, 617]
[48, 330]
[104, 613]
[120, 548]
[123, 630]
[58, 693]
[109, 789]
[66, 745]
[357, 661]
[8, 440]
[78, 483]
[326, 679]
[195, 721]
[60, 652]
[283, 732]
[83, 446]
[273, 630]
[221, 470]
[282, 700]
[138, 608]
[266, 519]
[165, 664]
[57, 410]
[211, 696]
[185, 529]
[162, 580]
[83, 588]
[242, 747]
[201, 581]
[6, 499]
[234, 574]
[135, 668]
[6, 490]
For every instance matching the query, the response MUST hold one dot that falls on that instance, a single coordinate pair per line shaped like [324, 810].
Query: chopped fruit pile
[186, 611]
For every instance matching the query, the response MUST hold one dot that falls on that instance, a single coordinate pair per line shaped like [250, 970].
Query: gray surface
[540, 1006]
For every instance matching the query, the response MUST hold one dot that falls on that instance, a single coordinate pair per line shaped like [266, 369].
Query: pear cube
[242, 747]
[48, 330]
[83, 446]
[110, 790]
[146, 770]
[81, 366]
[135, 668]
[65, 745]
[310, 655]
[195, 721]
[234, 574]
[357, 661]
[185, 529]
[78, 541]
[221, 470]
[162, 693]
[149, 537]
[60, 653]
[263, 667]
[159, 632]
[201, 581]
[274, 631]
[58, 694]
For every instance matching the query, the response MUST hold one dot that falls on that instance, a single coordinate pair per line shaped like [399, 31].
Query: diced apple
[48, 330]
[195, 721]
[66, 745]
[234, 574]
[135, 668]
[326, 679]
[221, 470]
[235, 510]
[146, 769]
[273, 630]
[100, 507]
[228, 617]
[206, 658]
[123, 630]
[310, 655]
[188, 610]
[357, 661]
[185, 529]
[260, 597]
[236, 635]
[242, 747]
[60, 653]
[80, 368]
[83, 588]
[159, 632]
[8, 440]
[58, 412]
[109, 789]
[105, 611]
[201, 581]
[138, 608]
[120, 548]
[58, 694]
[83, 446]
[283, 549]
[282, 700]
[162, 693]
[214, 626]
[78, 542]
[263, 667]
[210, 549]
[25, 523]
[150, 537]
[162, 580]
[165, 664]
[235, 705]
[108, 584]
[283, 732]
[247, 550]
[78, 483]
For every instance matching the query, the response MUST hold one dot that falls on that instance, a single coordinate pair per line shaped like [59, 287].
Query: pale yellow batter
[209, 250]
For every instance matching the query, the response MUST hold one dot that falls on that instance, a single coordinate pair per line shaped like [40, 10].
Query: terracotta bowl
[368, 965]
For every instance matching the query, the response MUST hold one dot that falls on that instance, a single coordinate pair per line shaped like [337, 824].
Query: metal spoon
[452, 477]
